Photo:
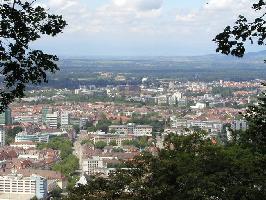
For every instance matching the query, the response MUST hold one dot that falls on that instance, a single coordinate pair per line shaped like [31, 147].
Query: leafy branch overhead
[232, 40]
[22, 23]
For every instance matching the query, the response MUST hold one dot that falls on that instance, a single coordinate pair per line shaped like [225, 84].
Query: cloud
[215, 14]
[141, 5]
[186, 18]
[221, 4]
[148, 21]
[145, 5]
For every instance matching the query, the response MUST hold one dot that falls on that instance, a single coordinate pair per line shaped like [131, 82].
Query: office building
[5, 117]
[2, 137]
[46, 111]
[132, 129]
[83, 122]
[15, 186]
[94, 165]
[118, 138]
[27, 119]
[52, 120]
[38, 137]
[64, 119]
[239, 125]
[24, 145]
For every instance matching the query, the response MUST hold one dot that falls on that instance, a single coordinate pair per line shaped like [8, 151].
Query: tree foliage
[189, 167]
[103, 125]
[112, 143]
[67, 166]
[22, 23]
[62, 144]
[140, 142]
[255, 136]
[11, 134]
[233, 39]
[100, 145]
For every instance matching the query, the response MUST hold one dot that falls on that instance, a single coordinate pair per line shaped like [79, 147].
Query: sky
[141, 27]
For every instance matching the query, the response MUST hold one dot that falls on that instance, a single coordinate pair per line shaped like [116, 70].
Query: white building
[64, 120]
[2, 137]
[94, 165]
[132, 129]
[37, 137]
[199, 106]
[162, 100]
[179, 123]
[102, 136]
[15, 186]
[209, 126]
[172, 100]
[24, 145]
[178, 95]
[27, 119]
[52, 120]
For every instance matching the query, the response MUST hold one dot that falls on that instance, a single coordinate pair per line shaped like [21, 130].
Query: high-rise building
[64, 119]
[5, 117]
[52, 120]
[82, 123]
[2, 137]
[16, 186]
[46, 111]
[8, 116]
[2, 119]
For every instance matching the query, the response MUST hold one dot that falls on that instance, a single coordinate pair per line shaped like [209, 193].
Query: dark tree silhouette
[233, 39]
[20, 24]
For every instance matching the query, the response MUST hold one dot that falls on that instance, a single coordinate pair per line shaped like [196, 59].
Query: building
[93, 165]
[172, 100]
[208, 126]
[98, 165]
[239, 125]
[5, 117]
[27, 119]
[52, 120]
[2, 119]
[179, 123]
[129, 90]
[110, 137]
[182, 102]
[38, 137]
[46, 111]
[199, 105]
[82, 122]
[2, 137]
[162, 100]
[64, 119]
[16, 186]
[132, 129]
[24, 145]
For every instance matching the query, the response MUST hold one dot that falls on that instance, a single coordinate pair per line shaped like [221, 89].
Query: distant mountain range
[251, 57]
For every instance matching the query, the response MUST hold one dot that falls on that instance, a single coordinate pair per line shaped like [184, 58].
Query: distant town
[54, 139]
